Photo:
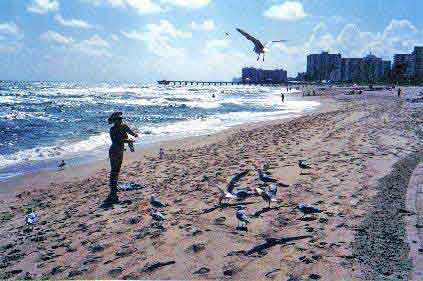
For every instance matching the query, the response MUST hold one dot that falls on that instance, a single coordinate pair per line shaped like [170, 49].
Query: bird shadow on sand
[226, 205]
[270, 242]
[267, 209]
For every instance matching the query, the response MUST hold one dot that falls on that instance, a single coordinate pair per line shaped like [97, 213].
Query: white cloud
[9, 47]
[115, 37]
[93, 46]
[141, 6]
[92, 50]
[191, 4]
[96, 41]
[289, 11]
[152, 6]
[144, 6]
[9, 28]
[10, 35]
[77, 23]
[215, 45]
[157, 38]
[206, 25]
[55, 37]
[43, 6]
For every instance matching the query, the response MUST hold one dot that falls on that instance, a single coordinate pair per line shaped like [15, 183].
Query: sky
[149, 40]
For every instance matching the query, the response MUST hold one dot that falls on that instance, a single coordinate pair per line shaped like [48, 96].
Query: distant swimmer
[213, 96]
[119, 136]
[62, 165]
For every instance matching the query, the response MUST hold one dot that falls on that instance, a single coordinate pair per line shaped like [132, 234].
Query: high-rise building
[257, 75]
[324, 66]
[351, 69]
[301, 76]
[418, 62]
[406, 63]
[371, 68]
[386, 69]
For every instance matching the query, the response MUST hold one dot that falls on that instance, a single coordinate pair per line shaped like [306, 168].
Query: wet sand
[352, 144]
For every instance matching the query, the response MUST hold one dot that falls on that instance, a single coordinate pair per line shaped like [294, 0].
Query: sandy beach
[363, 150]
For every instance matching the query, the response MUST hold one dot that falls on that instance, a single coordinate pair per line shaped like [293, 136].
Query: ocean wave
[59, 151]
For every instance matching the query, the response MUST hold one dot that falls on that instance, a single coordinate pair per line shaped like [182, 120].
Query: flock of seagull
[240, 194]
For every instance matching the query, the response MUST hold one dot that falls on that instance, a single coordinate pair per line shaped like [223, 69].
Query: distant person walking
[119, 136]
[283, 98]
[399, 92]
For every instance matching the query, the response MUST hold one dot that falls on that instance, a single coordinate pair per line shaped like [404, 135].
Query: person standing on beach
[399, 92]
[283, 98]
[119, 136]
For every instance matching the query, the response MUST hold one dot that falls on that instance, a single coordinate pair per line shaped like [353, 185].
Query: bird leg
[263, 57]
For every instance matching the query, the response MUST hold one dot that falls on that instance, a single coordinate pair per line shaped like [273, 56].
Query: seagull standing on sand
[267, 196]
[308, 209]
[225, 195]
[157, 216]
[241, 217]
[156, 202]
[263, 177]
[31, 218]
[273, 189]
[259, 48]
[62, 165]
[303, 165]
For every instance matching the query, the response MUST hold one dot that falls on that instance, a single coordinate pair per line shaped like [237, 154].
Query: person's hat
[115, 116]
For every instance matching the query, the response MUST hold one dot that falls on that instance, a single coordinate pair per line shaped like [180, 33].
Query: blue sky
[148, 40]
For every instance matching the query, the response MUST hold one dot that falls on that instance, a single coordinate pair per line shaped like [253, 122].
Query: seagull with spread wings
[259, 48]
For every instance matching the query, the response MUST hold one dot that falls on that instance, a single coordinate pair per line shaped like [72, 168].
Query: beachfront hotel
[332, 67]
[257, 75]
[411, 65]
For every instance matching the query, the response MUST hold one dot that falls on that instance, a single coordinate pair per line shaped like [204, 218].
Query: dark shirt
[119, 135]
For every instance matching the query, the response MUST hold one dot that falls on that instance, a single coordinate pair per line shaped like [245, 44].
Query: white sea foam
[60, 150]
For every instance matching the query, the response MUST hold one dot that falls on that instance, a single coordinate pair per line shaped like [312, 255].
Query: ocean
[42, 123]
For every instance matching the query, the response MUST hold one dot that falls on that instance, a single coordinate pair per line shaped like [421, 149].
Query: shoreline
[46, 177]
[354, 145]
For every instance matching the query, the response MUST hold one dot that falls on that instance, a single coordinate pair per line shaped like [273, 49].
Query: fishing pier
[219, 83]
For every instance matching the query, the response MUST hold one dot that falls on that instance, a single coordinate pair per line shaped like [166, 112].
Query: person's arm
[129, 131]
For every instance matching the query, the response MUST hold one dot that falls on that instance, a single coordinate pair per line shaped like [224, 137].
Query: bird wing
[274, 41]
[259, 191]
[251, 38]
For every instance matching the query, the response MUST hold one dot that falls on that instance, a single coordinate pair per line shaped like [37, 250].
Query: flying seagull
[259, 48]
